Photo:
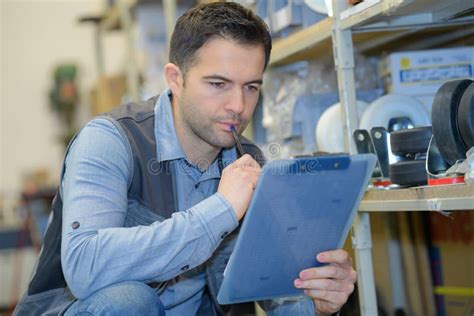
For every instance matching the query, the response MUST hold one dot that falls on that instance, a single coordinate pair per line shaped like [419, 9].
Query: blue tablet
[300, 207]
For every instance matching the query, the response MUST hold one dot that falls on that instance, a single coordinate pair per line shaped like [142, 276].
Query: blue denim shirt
[102, 250]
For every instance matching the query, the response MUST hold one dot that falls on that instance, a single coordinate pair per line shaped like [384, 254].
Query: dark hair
[205, 21]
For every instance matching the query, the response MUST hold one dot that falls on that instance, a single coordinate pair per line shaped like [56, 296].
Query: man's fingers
[325, 284]
[249, 169]
[329, 285]
[327, 307]
[246, 160]
[252, 176]
[333, 297]
[328, 272]
[335, 256]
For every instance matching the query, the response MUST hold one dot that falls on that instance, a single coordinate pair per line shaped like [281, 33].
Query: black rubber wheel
[466, 116]
[411, 141]
[409, 172]
[444, 118]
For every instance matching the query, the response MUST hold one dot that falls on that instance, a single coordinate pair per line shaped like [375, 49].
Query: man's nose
[236, 102]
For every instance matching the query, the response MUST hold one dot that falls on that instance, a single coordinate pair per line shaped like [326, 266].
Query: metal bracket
[365, 145]
[381, 141]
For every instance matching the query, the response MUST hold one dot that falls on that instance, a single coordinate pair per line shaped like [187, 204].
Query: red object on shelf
[382, 183]
[444, 181]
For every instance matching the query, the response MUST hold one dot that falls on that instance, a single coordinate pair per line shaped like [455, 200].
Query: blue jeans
[128, 298]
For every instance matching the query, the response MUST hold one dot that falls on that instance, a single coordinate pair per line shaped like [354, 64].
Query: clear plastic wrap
[285, 86]
[469, 175]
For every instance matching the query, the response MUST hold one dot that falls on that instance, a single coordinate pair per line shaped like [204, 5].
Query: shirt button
[186, 267]
[224, 234]
[75, 225]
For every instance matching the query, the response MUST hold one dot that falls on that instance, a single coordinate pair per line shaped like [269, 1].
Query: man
[151, 195]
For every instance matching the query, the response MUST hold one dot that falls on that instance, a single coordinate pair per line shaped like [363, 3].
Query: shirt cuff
[217, 216]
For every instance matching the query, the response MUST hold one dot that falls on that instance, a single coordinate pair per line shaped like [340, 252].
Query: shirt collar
[167, 143]
[229, 155]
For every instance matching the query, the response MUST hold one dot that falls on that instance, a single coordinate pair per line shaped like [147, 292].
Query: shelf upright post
[132, 68]
[361, 237]
[98, 38]
[99, 49]
[169, 9]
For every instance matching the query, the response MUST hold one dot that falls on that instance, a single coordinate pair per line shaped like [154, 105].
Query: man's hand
[329, 286]
[238, 182]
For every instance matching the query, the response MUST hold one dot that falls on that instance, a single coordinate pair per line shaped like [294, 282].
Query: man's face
[221, 89]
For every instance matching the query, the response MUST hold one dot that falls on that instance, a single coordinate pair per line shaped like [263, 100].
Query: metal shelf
[438, 198]
[382, 25]
[294, 47]
[316, 39]
[112, 19]
[354, 16]
[395, 14]
[405, 17]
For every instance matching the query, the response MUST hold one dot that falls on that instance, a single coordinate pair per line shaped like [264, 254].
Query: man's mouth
[228, 125]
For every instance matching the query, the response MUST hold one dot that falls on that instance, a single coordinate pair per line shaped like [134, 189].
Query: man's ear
[174, 77]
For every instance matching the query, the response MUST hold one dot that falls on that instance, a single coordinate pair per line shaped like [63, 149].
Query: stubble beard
[204, 127]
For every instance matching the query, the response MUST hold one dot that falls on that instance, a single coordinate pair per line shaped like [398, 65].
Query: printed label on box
[423, 72]
[435, 74]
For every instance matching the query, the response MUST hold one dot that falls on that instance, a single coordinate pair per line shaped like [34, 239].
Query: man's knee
[137, 297]
[121, 299]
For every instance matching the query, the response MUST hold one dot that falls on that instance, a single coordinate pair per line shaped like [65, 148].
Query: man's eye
[217, 84]
[253, 88]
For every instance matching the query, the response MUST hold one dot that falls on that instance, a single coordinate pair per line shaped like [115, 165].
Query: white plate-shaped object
[317, 5]
[381, 111]
[329, 135]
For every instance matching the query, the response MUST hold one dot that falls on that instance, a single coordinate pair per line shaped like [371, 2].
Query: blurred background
[59, 67]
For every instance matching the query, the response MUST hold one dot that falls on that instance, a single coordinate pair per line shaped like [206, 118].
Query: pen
[240, 150]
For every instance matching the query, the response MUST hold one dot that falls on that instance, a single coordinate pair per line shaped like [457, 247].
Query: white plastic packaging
[469, 175]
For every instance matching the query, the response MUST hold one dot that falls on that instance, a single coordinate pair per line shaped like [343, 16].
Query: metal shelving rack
[373, 25]
[119, 17]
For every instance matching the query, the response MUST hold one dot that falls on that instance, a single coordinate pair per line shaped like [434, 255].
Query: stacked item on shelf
[421, 73]
[412, 153]
[411, 146]
[17, 260]
[281, 89]
[451, 251]
[107, 93]
[453, 130]
[296, 97]
[389, 117]
[392, 111]
[21, 234]
[326, 130]
[389, 111]
[285, 16]
[402, 264]
[151, 44]
[383, 115]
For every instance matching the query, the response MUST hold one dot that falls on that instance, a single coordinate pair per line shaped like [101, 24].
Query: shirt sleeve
[300, 305]
[97, 250]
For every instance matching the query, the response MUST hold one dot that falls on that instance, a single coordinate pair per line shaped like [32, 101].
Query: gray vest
[47, 292]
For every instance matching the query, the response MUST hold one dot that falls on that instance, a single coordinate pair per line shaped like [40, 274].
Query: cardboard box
[452, 261]
[401, 264]
[108, 93]
[451, 252]
[285, 16]
[421, 73]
